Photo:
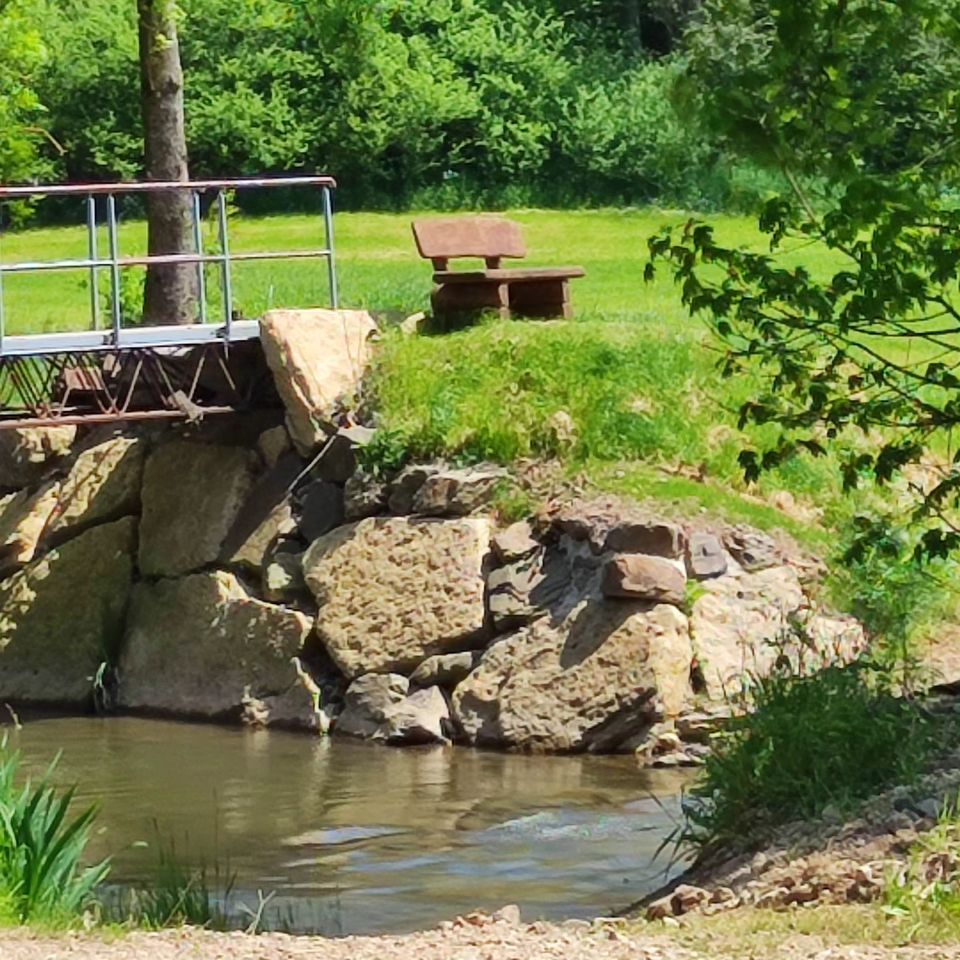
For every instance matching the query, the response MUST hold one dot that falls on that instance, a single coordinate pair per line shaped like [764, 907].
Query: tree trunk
[171, 290]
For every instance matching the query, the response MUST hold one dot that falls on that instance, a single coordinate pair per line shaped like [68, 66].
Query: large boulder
[738, 624]
[394, 590]
[213, 482]
[202, 646]
[62, 616]
[318, 357]
[23, 520]
[606, 672]
[26, 453]
[103, 484]
[638, 577]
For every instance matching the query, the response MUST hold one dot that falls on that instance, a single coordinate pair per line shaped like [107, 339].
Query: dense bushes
[411, 102]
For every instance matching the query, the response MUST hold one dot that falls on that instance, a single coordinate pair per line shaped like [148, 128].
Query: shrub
[41, 851]
[826, 739]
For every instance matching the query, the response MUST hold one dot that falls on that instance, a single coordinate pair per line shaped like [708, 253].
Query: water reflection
[358, 838]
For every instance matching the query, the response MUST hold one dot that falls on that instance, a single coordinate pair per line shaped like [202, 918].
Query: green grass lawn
[378, 264]
[634, 372]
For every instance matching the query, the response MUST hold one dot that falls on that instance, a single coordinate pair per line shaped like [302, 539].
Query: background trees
[422, 102]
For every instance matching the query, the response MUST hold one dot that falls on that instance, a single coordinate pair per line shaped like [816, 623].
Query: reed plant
[42, 872]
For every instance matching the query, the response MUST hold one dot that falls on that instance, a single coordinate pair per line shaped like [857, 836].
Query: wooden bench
[536, 292]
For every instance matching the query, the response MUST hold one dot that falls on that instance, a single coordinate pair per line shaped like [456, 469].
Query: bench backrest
[491, 238]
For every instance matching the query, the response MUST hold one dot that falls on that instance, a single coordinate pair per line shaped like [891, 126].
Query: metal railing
[118, 337]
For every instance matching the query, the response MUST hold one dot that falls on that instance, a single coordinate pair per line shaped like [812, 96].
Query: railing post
[225, 263]
[331, 258]
[198, 244]
[92, 252]
[114, 265]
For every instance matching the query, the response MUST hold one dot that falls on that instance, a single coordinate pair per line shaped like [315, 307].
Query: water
[356, 838]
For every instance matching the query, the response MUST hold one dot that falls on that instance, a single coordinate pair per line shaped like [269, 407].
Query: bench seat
[509, 275]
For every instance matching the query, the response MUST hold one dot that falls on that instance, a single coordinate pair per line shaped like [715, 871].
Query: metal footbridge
[114, 369]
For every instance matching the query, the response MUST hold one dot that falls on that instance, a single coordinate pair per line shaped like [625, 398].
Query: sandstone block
[457, 493]
[321, 509]
[273, 443]
[317, 357]
[393, 591]
[705, 556]
[364, 496]
[202, 646]
[656, 538]
[639, 577]
[62, 616]
[445, 670]
[27, 452]
[516, 542]
[265, 517]
[23, 521]
[378, 707]
[214, 481]
[752, 549]
[103, 484]
[339, 460]
[283, 574]
[563, 686]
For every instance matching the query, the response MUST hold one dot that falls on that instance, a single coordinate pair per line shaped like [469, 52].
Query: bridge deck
[130, 338]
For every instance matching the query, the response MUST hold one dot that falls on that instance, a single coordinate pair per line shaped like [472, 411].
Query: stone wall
[219, 573]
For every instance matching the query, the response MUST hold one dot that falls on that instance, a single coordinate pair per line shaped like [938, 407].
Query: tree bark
[171, 292]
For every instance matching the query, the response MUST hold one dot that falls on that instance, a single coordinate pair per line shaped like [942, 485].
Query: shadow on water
[347, 837]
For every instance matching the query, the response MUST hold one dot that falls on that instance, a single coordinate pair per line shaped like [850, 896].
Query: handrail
[156, 186]
[113, 262]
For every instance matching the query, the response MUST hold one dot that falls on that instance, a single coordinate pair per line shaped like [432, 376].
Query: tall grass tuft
[811, 742]
[41, 851]
[180, 894]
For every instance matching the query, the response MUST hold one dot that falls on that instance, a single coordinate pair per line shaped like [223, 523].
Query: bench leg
[546, 299]
[455, 304]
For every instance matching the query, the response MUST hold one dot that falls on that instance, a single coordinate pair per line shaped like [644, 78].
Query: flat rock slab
[317, 357]
[213, 481]
[393, 591]
[23, 521]
[202, 646]
[563, 687]
[62, 616]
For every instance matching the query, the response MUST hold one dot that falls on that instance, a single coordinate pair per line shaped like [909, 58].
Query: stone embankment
[252, 569]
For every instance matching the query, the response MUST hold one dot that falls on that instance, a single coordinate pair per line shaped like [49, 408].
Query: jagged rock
[521, 591]
[655, 538]
[215, 481]
[405, 486]
[103, 484]
[321, 509]
[23, 520]
[562, 686]
[202, 646]
[339, 460]
[423, 718]
[637, 577]
[705, 556]
[272, 444]
[751, 549]
[283, 574]
[514, 543]
[457, 493]
[27, 452]
[62, 616]
[445, 670]
[378, 707]
[737, 623]
[393, 591]
[364, 496]
[265, 517]
[318, 357]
